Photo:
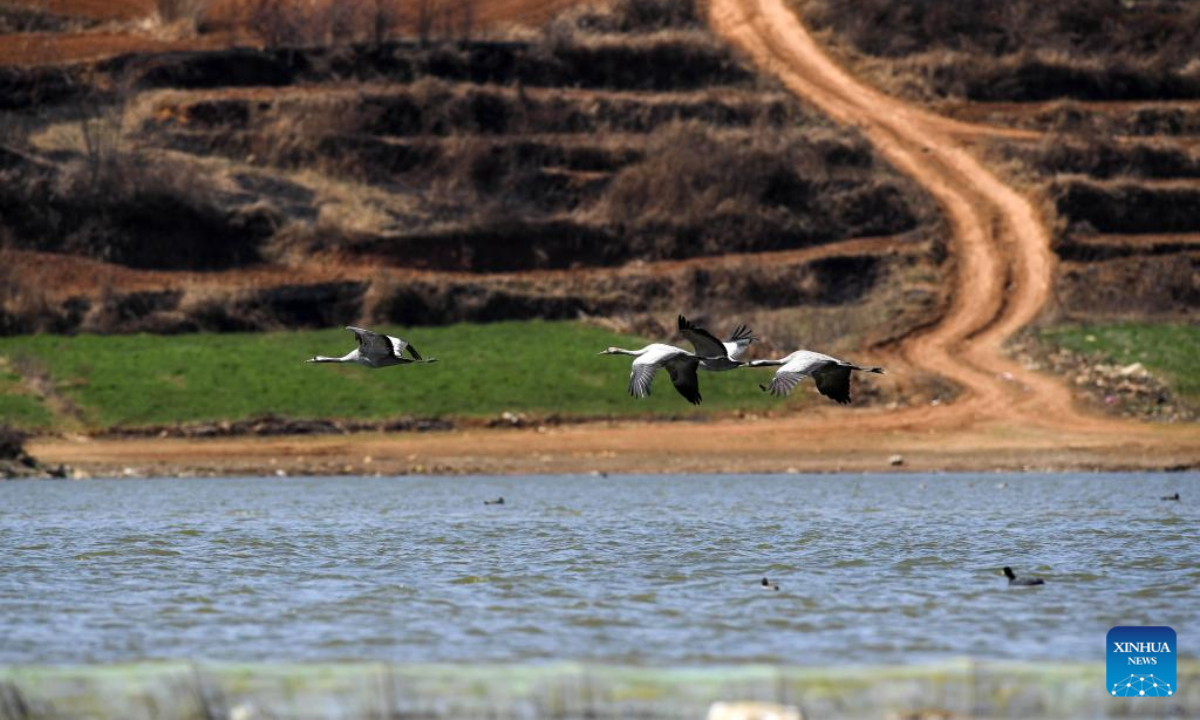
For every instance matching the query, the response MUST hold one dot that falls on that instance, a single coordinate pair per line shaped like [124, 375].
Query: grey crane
[717, 355]
[376, 351]
[831, 375]
[680, 364]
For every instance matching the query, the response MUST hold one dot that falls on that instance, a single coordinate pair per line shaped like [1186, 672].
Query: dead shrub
[12, 443]
[295, 23]
[101, 127]
[278, 23]
[382, 19]
[425, 20]
[189, 12]
[314, 135]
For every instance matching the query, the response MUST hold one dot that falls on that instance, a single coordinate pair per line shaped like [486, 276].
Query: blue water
[662, 569]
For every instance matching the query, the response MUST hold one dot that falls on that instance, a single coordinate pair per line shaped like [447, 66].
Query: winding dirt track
[1004, 266]
[1007, 417]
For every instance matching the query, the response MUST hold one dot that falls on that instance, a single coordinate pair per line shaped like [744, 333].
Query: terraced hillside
[1091, 104]
[618, 164]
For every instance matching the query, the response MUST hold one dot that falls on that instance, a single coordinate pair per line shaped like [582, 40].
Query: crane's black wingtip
[741, 332]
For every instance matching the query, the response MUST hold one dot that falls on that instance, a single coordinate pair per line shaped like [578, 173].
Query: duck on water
[1020, 581]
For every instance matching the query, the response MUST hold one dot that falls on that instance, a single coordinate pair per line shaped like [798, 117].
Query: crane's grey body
[680, 364]
[376, 351]
[831, 375]
[717, 355]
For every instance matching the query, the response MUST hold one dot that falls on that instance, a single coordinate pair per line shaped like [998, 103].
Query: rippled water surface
[628, 569]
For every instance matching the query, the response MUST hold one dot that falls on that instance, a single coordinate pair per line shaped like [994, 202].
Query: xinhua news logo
[1141, 661]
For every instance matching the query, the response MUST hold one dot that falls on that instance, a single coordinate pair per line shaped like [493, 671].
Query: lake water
[661, 569]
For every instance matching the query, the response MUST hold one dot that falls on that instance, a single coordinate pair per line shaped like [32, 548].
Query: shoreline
[956, 687]
[869, 440]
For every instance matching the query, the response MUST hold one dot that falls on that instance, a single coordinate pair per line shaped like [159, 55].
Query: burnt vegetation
[1128, 228]
[446, 178]
[1026, 49]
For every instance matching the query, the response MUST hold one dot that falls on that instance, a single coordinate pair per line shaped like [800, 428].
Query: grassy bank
[1168, 350]
[535, 367]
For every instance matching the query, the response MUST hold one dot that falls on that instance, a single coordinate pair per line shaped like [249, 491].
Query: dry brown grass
[190, 12]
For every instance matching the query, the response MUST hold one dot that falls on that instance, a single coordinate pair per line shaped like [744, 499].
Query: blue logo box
[1141, 661]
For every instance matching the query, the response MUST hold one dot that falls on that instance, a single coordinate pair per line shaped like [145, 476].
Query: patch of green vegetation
[18, 407]
[534, 367]
[1168, 350]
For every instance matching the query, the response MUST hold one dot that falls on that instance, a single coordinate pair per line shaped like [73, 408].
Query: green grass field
[20, 407]
[534, 367]
[1171, 351]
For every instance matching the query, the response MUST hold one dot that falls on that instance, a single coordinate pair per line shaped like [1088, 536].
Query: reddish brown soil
[90, 9]
[120, 33]
[825, 440]
[491, 11]
[67, 275]
[58, 48]
[1146, 241]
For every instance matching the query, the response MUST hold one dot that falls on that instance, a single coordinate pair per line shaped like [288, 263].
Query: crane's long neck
[326, 359]
[766, 363]
[623, 351]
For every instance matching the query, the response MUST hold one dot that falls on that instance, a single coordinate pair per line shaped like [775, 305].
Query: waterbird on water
[717, 355]
[768, 585]
[1171, 497]
[1022, 582]
[680, 364]
[497, 501]
[831, 375]
[376, 351]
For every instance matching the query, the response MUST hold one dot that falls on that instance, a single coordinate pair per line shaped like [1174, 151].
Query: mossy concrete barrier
[377, 691]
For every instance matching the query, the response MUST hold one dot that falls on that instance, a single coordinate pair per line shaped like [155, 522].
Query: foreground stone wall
[186, 691]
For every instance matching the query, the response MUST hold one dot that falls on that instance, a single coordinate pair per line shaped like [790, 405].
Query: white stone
[752, 711]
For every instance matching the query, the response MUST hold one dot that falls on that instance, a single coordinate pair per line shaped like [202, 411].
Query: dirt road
[1008, 417]
[1004, 267]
